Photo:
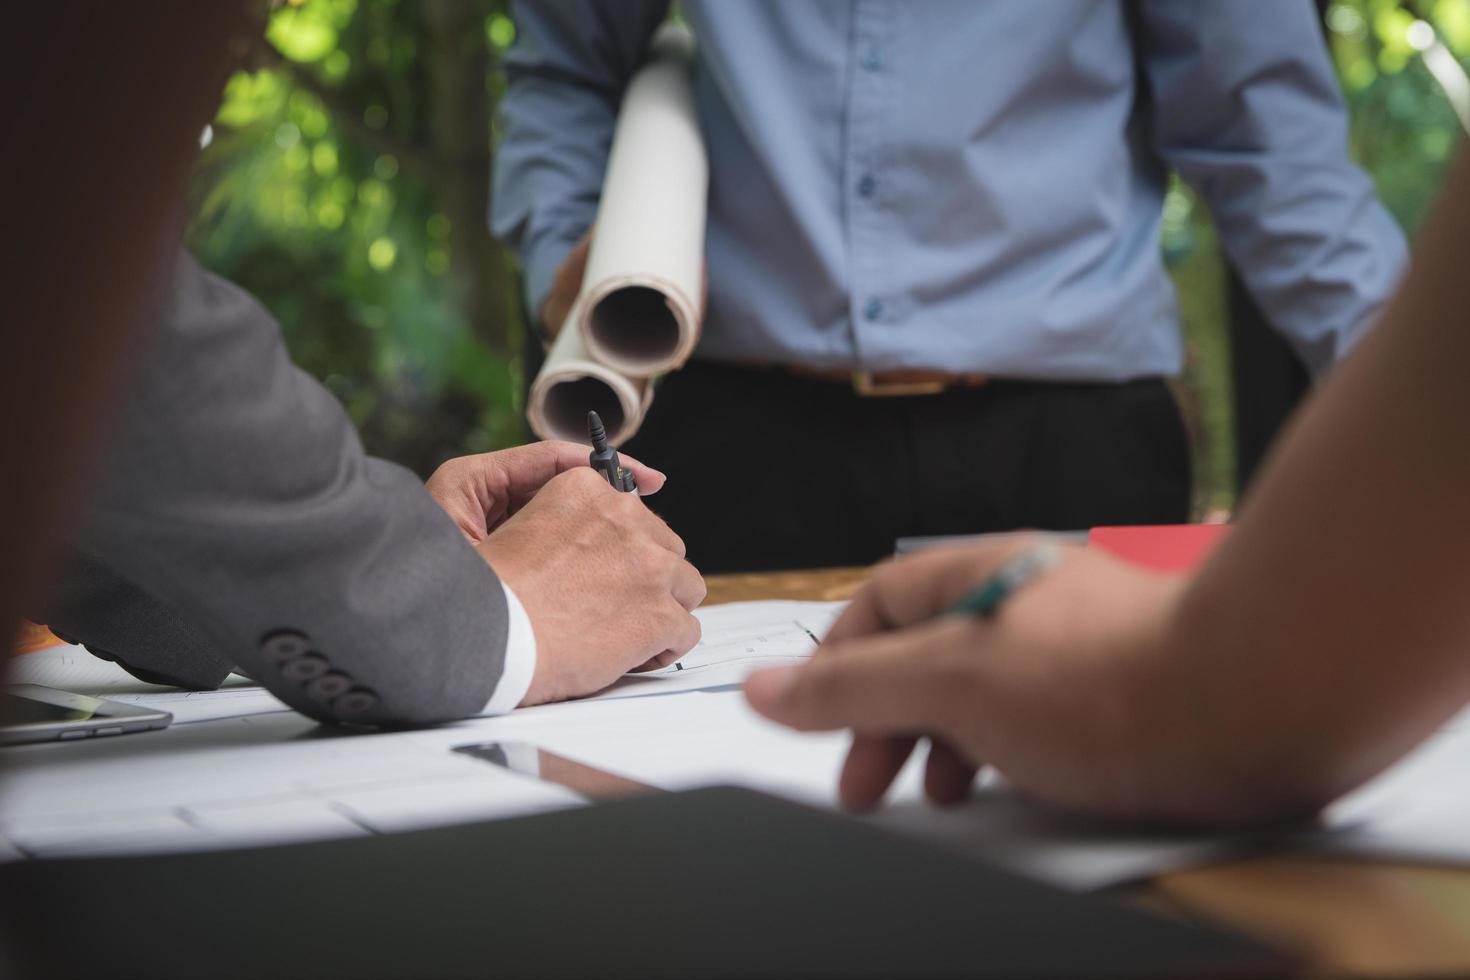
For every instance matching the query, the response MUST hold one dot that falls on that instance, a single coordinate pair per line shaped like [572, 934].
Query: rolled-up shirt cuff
[520, 658]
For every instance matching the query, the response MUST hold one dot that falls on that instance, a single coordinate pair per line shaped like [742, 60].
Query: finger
[459, 498]
[658, 530]
[656, 663]
[872, 763]
[513, 476]
[689, 589]
[899, 683]
[682, 636]
[860, 617]
[948, 775]
[919, 587]
[650, 481]
[679, 633]
[891, 599]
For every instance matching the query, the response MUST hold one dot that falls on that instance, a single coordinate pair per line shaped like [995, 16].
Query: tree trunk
[458, 65]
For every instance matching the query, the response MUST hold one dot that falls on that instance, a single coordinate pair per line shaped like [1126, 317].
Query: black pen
[604, 458]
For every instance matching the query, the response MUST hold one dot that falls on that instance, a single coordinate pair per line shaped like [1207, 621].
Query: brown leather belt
[901, 382]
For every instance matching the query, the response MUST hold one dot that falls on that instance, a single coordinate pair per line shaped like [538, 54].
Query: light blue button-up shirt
[967, 185]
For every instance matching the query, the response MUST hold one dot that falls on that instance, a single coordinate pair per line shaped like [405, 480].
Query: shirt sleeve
[565, 77]
[1248, 111]
[520, 658]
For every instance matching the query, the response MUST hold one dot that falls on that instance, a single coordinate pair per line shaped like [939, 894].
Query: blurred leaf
[501, 31]
[309, 31]
[1452, 18]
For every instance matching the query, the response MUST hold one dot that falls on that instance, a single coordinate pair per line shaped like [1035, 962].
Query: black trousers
[768, 471]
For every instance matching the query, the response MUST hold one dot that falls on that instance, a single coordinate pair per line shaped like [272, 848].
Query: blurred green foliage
[346, 184]
[331, 191]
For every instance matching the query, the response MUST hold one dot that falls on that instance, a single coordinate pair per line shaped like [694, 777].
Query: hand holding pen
[481, 492]
[542, 519]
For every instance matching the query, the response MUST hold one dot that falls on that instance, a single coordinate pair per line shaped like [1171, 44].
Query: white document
[737, 638]
[188, 707]
[1418, 810]
[684, 740]
[702, 738]
[278, 777]
[266, 779]
[69, 667]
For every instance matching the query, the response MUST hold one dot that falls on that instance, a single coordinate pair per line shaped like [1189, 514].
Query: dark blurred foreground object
[708, 883]
[103, 106]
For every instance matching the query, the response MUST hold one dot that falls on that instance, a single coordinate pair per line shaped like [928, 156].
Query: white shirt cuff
[520, 658]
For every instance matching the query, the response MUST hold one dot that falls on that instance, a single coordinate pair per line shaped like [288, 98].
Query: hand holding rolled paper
[640, 305]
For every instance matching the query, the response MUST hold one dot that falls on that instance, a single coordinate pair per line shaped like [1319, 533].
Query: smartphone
[31, 713]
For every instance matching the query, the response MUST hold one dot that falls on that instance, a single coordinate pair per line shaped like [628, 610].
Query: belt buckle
[868, 386]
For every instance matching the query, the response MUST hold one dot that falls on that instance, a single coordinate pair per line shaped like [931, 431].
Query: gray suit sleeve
[237, 493]
[143, 634]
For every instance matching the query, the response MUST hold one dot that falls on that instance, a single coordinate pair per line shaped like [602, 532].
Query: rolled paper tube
[571, 384]
[644, 283]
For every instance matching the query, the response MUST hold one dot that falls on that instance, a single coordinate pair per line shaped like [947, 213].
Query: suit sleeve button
[328, 686]
[355, 702]
[305, 667]
[284, 645]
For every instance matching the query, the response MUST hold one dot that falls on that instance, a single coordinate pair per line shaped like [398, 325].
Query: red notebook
[1162, 547]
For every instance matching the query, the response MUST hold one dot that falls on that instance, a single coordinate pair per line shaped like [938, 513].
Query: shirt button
[867, 185]
[873, 309]
[872, 59]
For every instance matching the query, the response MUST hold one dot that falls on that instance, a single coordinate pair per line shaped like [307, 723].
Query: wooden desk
[1342, 916]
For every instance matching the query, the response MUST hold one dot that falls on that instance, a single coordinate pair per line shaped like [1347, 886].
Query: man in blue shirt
[936, 298]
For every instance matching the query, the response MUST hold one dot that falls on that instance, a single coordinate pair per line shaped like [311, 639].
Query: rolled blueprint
[571, 384]
[639, 310]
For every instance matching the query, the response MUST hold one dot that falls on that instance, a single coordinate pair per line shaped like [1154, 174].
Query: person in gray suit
[237, 524]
